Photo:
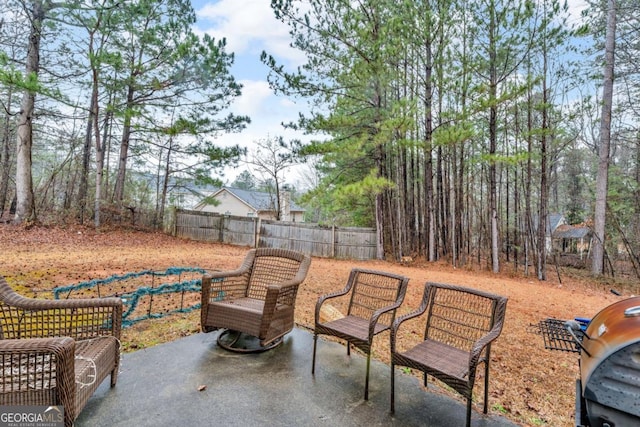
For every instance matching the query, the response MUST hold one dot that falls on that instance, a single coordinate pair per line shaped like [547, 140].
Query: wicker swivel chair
[258, 299]
[374, 297]
[461, 324]
[56, 352]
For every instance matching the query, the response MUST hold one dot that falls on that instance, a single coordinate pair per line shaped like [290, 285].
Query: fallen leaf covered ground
[528, 384]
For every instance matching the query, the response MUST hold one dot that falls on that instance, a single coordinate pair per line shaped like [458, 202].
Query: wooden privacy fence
[328, 242]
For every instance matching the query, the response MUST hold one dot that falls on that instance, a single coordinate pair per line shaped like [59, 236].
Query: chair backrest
[459, 316]
[372, 290]
[275, 266]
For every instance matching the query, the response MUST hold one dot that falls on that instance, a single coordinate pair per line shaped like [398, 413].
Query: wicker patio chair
[461, 324]
[374, 297]
[57, 352]
[258, 299]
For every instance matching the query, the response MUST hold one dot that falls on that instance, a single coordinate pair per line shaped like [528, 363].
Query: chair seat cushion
[244, 314]
[94, 360]
[248, 304]
[438, 356]
[350, 326]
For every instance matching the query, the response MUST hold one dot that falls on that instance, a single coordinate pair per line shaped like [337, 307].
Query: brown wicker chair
[374, 297]
[258, 299]
[57, 352]
[461, 324]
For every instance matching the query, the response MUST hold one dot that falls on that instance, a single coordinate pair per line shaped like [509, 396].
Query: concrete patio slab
[192, 382]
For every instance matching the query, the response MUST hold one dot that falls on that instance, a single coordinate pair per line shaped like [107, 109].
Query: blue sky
[250, 27]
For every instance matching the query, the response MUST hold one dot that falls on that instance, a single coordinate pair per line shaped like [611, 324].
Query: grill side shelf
[556, 336]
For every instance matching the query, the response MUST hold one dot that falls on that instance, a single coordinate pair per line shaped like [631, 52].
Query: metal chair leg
[486, 386]
[313, 360]
[366, 381]
[393, 385]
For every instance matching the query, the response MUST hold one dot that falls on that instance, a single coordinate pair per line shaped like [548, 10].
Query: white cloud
[255, 94]
[267, 112]
[575, 10]
[287, 103]
[265, 108]
[249, 27]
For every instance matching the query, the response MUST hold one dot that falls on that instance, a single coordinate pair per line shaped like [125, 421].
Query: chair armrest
[32, 367]
[269, 307]
[396, 323]
[482, 343]
[79, 319]
[280, 294]
[224, 285]
[336, 294]
[284, 293]
[227, 284]
[223, 274]
[376, 315]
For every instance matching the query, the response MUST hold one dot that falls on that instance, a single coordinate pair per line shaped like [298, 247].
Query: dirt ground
[528, 384]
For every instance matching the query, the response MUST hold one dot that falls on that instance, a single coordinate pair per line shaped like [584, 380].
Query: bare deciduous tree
[271, 158]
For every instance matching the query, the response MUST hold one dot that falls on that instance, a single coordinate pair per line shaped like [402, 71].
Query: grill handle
[632, 311]
[573, 326]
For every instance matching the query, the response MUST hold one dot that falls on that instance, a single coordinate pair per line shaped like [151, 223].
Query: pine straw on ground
[528, 384]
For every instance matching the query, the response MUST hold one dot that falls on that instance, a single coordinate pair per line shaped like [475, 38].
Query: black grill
[608, 390]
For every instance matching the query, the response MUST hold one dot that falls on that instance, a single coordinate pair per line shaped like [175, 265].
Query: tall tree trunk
[95, 109]
[5, 154]
[542, 207]
[379, 208]
[118, 193]
[507, 195]
[165, 183]
[99, 159]
[25, 208]
[635, 229]
[428, 167]
[84, 173]
[528, 215]
[516, 194]
[493, 142]
[98, 139]
[461, 212]
[597, 267]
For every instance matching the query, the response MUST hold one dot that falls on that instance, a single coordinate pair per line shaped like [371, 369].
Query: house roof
[258, 200]
[567, 231]
[553, 221]
[195, 190]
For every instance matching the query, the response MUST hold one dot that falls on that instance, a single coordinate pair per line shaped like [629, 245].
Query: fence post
[291, 243]
[221, 230]
[174, 221]
[256, 232]
[333, 241]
